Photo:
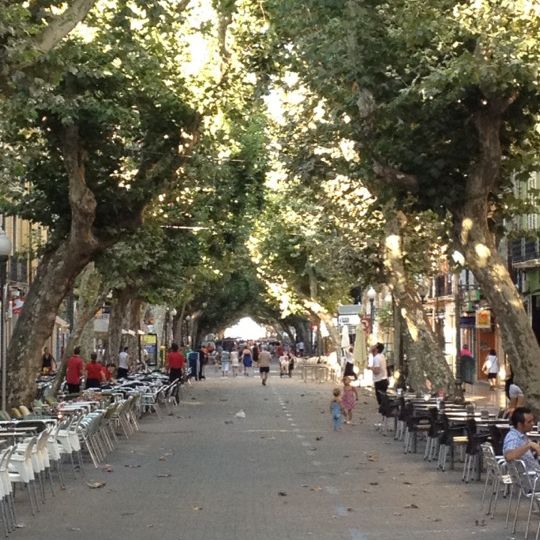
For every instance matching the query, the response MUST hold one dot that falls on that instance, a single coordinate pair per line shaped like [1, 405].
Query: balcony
[525, 253]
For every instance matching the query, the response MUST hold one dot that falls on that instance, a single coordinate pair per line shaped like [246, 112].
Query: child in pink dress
[349, 399]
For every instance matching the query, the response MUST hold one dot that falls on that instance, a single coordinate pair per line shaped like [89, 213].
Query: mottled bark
[55, 277]
[427, 366]
[85, 318]
[479, 246]
[117, 322]
[59, 27]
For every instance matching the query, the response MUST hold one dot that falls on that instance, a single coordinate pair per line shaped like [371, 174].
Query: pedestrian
[516, 443]
[48, 364]
[264, 360]
[123, 363]
[349, 399]
[284, 363]
[509, 380]
[203, 360]
[349, 364]
[235, 362]
[247, 361]
[255, 353]
[517, 400]
[336, 409]
[175, 362]
[94, 372]
[300, 348]
[226, 362]
[74, 371]
[291, 365]
[491, 368]
[380, 375]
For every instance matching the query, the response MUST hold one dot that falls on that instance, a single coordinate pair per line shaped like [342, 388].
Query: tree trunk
[491, 273]
[478, 243]
[427, 365]
[119, 315]
[85, 315]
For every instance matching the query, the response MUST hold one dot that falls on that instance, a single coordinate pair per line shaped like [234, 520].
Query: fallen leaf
[164, 475]
[374, 483]
[412, 505]
[197, 508]
[127, 514]
[318, 438]
[407, 483]
[282, 493]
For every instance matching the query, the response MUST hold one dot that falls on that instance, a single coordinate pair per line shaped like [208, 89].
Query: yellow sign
[483, 318]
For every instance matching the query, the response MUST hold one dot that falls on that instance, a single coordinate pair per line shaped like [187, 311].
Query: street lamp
[371, 294]
[5, 251]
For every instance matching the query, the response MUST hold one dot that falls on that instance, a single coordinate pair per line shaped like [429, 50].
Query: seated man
[516, 443]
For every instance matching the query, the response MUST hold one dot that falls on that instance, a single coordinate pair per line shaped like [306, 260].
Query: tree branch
[59, 27]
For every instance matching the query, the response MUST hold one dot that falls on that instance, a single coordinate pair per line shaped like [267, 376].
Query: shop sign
[483, 319]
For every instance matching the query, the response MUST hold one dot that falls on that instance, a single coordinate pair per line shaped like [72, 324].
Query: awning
[61, 323]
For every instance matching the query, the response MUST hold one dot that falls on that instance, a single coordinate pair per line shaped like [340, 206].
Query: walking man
[264, 365]
[123, 364]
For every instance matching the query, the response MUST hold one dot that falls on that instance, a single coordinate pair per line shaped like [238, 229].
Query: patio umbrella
[360, 349]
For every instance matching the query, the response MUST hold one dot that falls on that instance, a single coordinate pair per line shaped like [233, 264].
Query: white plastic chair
[21, 470]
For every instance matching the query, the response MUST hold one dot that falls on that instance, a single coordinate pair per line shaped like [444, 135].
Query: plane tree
[443, 105]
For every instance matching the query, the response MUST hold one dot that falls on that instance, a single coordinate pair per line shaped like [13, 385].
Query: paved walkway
[279, 473]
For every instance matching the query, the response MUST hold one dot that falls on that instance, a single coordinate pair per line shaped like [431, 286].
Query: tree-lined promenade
[235, 158]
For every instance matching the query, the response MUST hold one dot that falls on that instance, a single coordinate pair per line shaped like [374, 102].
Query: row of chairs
[481, 452]
[34, 459]
[442, 438]
[513, 480]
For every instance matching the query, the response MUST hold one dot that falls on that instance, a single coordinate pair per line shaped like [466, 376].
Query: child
[283, 365]
[336, 409]
[350, 397]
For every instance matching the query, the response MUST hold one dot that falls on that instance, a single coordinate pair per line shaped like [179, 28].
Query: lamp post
[173, 313]
[371, 294]
[5, 250]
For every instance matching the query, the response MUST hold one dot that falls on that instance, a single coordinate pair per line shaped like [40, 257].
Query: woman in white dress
[234, 361]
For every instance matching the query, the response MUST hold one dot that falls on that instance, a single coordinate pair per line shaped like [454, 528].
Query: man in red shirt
[175, 363]
[94, 372]
[74, 371]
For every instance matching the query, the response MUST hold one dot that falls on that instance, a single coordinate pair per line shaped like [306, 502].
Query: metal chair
[496, 475]
[529, 488]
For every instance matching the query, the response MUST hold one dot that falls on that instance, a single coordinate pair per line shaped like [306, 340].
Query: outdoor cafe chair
[473, 454]
[7, 503]
[450, 438]
[498, 478]
[21, 470]
[529, 488]
[415, 423]
[55, 452]
[433, 434]
[389, 408]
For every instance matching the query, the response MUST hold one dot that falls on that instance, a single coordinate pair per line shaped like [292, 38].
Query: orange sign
[483, 318]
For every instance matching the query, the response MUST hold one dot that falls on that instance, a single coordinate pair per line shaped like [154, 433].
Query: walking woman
[234, 361]
[247, 360]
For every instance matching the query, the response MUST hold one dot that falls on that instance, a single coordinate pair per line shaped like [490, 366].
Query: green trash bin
[468, 369]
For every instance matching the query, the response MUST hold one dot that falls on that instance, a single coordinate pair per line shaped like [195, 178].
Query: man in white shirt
[123, 364]
[380, 375]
